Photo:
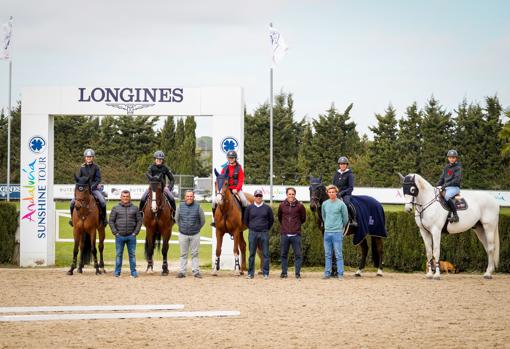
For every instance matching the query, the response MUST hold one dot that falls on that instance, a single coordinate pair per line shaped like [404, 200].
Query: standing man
[259, 219]
[125, 223]
[334, 214]
[291, 215]
[190, 219]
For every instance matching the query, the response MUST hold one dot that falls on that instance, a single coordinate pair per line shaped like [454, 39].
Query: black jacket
[259, 218]
[125, 220]
[344, 182]
[451, 176]
[155, 170]
[92, 171]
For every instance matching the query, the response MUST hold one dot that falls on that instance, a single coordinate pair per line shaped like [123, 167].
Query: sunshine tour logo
[131, 95]
[34, 204]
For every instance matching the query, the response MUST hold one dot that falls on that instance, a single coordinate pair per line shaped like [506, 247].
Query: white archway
[37, 210]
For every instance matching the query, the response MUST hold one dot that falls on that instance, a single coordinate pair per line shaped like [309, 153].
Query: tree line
[415, 141]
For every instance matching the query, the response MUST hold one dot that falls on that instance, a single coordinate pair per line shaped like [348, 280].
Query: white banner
[7, 28]
[278, 43]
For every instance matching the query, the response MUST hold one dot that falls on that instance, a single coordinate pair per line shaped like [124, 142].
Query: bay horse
[318, 195]
[228, 219]
[481, 214]
[86, 223]
[158, 221]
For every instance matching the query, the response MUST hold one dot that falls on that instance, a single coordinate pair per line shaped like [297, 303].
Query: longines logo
[131, 99]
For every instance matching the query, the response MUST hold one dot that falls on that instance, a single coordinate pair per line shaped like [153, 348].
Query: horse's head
[82, 191]
[222, 185]
[411, 190]
[317, 193]
[156, 186]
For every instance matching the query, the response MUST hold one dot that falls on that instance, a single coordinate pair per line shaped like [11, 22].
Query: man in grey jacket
[125, 223]
[190, 219]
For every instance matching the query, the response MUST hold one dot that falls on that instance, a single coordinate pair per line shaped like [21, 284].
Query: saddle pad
[460, 203]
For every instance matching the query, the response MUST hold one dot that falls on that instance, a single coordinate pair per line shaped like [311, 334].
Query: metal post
[9, 136]
[271, 137]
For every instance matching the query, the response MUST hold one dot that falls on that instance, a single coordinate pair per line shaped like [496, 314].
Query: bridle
[410, 188]
[82, 203]
[315, 188]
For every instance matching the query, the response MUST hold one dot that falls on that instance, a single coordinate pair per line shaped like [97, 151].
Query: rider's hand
[234, 191]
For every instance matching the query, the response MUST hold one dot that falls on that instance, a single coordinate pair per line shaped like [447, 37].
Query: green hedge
[8, 226]
[403, 249]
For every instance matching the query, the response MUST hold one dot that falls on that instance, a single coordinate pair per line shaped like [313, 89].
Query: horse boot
[213, 223]
[454, 218]
[71, 220]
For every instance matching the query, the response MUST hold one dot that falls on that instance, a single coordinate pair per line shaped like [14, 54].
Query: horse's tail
[496, 246]
[86, 253]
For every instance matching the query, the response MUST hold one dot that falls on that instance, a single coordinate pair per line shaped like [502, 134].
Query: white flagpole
[271, 136]
[9, 136]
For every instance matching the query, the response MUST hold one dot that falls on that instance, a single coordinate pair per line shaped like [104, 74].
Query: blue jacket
[344, 182]
[189, 218]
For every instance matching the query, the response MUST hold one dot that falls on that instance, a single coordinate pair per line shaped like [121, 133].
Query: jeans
[333, 241]
[185, 242]
[130, 241]
[450, 192]
[285, 242]
[255, 238]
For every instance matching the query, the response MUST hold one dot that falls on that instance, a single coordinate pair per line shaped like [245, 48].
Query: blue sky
[370, 53]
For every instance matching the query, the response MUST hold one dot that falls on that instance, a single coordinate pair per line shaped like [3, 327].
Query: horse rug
[370, 217]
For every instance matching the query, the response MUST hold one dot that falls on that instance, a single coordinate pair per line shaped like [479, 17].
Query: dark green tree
[167, 139]
[305, 155]
[409, 141]
[256, 146]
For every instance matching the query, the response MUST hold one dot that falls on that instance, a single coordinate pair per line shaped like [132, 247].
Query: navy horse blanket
[370, 217]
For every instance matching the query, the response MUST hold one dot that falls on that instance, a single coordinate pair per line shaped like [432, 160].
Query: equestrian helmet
[343, 160]
[452, 152]
[159, 155]
[232, 154]
[89, 152]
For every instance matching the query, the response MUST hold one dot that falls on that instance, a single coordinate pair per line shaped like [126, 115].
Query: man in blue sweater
[259, 219]
[190, 219]
[334, 214]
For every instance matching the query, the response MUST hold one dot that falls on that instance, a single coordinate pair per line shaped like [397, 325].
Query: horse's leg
[219, 242]
[75, 253]
[92, 236]
[242, 247]
[436, 245]
[485, 234]
[363, 260]
[237, 266]
[427, 240]
[377, 254]
[164, 251]
[149, 251]
[101, 248]
[82, 259]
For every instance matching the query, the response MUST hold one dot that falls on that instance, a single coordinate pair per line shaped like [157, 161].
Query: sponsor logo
[36, 144]
[229, 143]
[34, 201]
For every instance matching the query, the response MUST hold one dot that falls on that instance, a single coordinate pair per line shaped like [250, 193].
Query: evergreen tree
[384, 150]
[334, 136]
[409, 141]
[359, 163]
[167, 140]
[438, 135]
[494, 163]
[188, 162]
[305, 155]
[256, 146]
[179, 149]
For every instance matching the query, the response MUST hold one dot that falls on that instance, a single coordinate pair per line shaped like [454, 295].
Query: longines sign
[131, 95]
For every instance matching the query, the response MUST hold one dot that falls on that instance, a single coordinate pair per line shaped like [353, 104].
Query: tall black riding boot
[213, 223]
[103, 216]
[455, 217]
[352, 216]
[71, 220]
[172, 203]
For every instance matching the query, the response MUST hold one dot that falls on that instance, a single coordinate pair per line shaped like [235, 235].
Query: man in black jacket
[125, 223]
[259, 219]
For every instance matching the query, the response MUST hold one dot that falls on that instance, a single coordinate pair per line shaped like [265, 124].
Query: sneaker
[181, 275]
[134, 275]
[266, 277]
[249, 276]
[298, 276]
[198, 275]
[340, 277]
[325, 277]
[283, 276]
[117, 275]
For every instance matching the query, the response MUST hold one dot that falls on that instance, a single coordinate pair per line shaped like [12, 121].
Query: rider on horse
[450, 182]
[158, 168]
[235, 180]
[91, 170]
[344, 181]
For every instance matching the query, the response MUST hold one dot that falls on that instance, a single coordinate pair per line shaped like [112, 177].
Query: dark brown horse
[85, 224]
[158, 221]
[318, 195]
[228, 219]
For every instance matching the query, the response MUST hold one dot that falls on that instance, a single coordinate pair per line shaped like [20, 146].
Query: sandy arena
[398, 310]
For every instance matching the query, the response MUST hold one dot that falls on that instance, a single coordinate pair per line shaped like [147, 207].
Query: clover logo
[36, 144]
[229, 143]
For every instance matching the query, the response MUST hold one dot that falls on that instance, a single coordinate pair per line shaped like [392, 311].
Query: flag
[4, 53]
[278, 43]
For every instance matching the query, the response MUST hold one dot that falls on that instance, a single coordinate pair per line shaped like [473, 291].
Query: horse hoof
[237, 272]
[487, 276]
[242, 273]
[214, 272]
[98, 272]
[429, 275]
[357, 273]
[80, 271]
[164, 273]
[437, 277]
[103, 270]
[70, 272]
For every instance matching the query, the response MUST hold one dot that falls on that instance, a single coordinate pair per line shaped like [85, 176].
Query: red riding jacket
[235, 180]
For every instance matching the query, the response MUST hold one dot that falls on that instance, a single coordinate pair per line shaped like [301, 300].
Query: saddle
[460, 202]
[239, 202]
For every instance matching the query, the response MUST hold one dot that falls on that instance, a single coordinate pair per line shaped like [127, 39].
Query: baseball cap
[258, 192]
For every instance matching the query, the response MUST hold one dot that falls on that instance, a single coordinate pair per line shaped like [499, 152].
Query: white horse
[482, 215]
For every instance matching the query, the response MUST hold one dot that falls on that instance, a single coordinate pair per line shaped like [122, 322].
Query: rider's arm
[97, 178]
[171, 179]
[350, 186]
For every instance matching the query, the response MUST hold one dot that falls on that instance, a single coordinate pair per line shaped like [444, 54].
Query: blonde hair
[331, 186]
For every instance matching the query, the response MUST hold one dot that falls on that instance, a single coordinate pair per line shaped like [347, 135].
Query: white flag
[4, 53]
[279, 45]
